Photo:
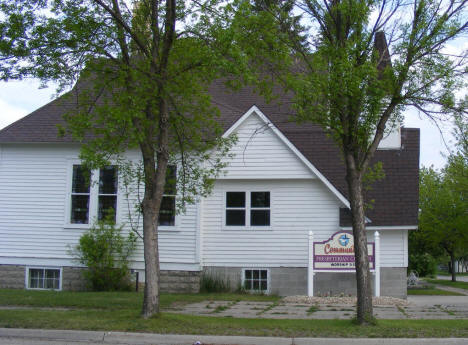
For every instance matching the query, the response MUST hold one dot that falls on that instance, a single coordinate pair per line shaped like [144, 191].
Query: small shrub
[105, 251]
[214, 283]
[424, 264]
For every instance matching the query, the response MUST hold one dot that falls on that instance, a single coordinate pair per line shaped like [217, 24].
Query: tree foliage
[142, 69]
[344, 75]
[444, 209]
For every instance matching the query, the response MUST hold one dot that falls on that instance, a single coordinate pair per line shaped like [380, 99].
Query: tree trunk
[364, 290]
[452, 263]
[150, 243]
[155, 180]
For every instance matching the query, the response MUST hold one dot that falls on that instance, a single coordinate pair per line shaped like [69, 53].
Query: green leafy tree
[443, 206]
[344, 75]
[143, 68]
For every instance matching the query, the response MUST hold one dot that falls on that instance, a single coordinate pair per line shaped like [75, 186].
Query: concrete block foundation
[288, 281]
[283, 281]
[13, 277]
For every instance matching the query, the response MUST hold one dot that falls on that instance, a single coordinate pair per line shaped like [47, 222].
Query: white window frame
[93, 197]
[26, 276]
[98, 175]
[176, 225]
[248, 208]
[267, 291]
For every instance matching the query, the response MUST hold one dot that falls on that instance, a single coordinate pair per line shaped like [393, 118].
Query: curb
[22, 336]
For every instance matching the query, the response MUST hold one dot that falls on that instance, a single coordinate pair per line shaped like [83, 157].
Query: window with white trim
[107, 198]
[90, 200]
[259, 208]
[44, 278]
[167, 212]
[248, 209]
[255, 280]
[80, 195]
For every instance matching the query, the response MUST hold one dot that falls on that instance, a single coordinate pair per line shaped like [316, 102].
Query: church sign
[337, 253]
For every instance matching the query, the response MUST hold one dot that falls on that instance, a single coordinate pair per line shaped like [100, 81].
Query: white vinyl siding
[259, 153]
[393, 247]
[34, 193]
[297, 206]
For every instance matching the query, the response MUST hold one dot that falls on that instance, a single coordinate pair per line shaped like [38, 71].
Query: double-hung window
[167, 212]
[248, 209]
[107, 199]
[235, 208]
[93, 194]
[80, 195]
[260, 208]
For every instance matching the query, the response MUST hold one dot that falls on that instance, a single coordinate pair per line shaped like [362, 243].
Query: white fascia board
[254, 109]
[392, 227]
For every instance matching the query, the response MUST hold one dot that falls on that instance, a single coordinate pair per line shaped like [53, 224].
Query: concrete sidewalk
[459, 278]
[10, 336]
[419, 307]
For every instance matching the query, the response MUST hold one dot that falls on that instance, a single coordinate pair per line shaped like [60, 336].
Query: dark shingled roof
[395, 198]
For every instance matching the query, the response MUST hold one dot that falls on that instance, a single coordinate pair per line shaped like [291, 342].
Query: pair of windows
[81, 194]
[84, 194]
[44, 278]
[248, 209]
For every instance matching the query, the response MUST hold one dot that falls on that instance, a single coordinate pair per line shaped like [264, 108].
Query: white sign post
[377, 263]
[310, 267]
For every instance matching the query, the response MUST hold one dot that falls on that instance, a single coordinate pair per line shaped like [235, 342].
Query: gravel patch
[343, 300]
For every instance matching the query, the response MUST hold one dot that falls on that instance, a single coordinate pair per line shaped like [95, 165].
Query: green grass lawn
[113, 300]
[114, 311]
[432, 292]
[460, 285]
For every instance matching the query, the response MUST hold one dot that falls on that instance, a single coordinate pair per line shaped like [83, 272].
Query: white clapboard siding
[297, 207]
[393, 247]
[33, 198]
[33, 187]
[260, 153]
[285, 243]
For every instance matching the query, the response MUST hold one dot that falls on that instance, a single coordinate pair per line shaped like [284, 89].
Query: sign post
[310, 266]
[377, 263]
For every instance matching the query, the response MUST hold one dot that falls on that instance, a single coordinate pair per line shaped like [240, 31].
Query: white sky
[19, 98]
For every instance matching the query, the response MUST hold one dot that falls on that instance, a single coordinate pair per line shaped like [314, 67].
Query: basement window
[44, 278]
[255, 280]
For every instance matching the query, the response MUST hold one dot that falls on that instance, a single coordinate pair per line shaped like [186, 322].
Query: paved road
[57, 337]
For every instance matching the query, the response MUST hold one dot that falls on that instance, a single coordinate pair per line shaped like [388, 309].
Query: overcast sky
[19, 98]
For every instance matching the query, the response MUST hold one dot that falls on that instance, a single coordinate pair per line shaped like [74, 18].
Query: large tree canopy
[444, 209]
[354, 67]
[143, 68]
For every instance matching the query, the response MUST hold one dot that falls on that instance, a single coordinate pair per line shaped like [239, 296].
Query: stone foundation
[180, 281]
[289, 281]
[13, 277]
